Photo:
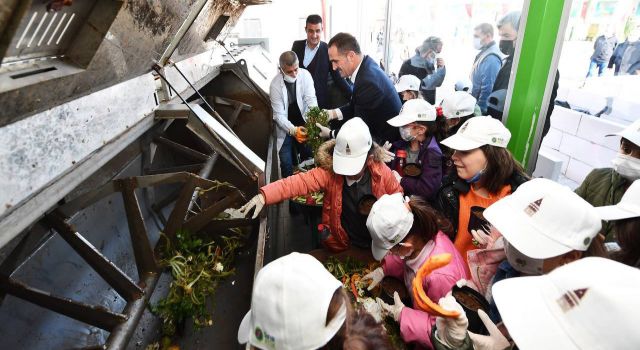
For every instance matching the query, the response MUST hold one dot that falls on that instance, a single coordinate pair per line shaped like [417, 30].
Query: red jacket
[324, 179]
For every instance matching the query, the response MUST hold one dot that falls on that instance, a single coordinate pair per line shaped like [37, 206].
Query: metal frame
[123, 324]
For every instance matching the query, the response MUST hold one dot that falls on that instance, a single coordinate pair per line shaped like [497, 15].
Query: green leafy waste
[197, 265]
[315, 115]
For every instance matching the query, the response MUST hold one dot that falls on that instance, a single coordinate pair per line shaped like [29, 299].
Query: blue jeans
[593, 64]
[289, 153]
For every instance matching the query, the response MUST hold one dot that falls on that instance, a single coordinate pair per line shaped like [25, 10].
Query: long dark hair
[500, 167]
[627, 232]
[360, 330]
[436, 128]
[426, 220]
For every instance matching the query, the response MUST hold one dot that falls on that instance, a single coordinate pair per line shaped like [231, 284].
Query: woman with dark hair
[412, 232]
[485, 171]
[625, 217]
[297, 304]
[421, 130]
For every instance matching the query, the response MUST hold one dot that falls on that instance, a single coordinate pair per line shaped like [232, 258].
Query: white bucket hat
[408, 82]
[458, 105]
[289, 304]
[631, 133]
[591, 303]
[628, 207]
[477, 132]
[416, 110]
[543, 219]
[389, 223]
[353, 143]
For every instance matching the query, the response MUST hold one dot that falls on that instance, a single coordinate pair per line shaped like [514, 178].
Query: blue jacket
[375, 100]
[483, 74]
[430, 160]
[320, 69]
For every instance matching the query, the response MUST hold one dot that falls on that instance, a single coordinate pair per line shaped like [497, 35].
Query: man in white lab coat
[292, 94]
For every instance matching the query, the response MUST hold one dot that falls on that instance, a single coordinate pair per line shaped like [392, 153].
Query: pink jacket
[416, 325]
[324, 179]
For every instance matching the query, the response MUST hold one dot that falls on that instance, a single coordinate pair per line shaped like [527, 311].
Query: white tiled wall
[579, 141]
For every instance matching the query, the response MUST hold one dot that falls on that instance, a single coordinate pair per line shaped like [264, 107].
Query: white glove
[494, 341]
[452, 331]
[325, 132]
[374, 276]
[257, 201]
[396, 175]
[392, 310]
[388, 156]
[486, 238]
[333, 114]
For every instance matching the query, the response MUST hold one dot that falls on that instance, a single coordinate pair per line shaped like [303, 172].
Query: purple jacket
[416, 325]
[430, 159]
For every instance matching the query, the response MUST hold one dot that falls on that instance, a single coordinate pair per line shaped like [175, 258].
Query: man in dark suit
[314, 58]
[374, 97]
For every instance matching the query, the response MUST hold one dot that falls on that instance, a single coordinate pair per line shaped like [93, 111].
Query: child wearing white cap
[408, 86]
[588, 304]
[349, 167]
[606, 186]
[297, 304]
[420, 130]
[485, 171]
[457, 108]
[626, 220]
[545, 225]
[405, 235]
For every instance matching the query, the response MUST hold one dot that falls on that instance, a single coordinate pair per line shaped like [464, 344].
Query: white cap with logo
[416, 110]
[289, 305]
[591, 303]
[543, 219]
[631, 133]
[459, 104]
[408, 82]
[389, 223]
[353, 143]
[477, 132]
[628, 207]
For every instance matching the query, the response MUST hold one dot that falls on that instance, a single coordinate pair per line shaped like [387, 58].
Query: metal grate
[43, 34]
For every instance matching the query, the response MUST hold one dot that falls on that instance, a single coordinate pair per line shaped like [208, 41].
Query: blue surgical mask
[405, 133]
[475, 178]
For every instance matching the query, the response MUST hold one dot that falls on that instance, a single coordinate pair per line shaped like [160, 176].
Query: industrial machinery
[115, 115]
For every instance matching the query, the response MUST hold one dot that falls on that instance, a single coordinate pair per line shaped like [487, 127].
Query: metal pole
[195, 11]
[387, 38]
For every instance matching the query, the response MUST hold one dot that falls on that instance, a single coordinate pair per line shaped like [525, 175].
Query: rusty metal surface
[141, 29]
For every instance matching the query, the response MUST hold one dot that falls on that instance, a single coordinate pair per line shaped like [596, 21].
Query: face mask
[431, 59]
[475, 178]
[405, 133]
[477, 44]
[507, 47]
[521, 262]
[288, 78]
[627, 166]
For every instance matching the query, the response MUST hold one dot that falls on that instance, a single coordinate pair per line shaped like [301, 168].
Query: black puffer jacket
[447, 200]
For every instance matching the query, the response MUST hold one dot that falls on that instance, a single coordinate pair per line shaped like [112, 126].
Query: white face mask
[627, 166]
[476, 43]
[405, 133]
[521, 262]
[288, 78]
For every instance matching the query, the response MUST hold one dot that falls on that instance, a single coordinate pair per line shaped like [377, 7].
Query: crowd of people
[558, 268]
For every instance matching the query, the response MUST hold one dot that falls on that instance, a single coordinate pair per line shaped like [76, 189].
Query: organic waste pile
[313, 198]
[315, 115]
[350, 271]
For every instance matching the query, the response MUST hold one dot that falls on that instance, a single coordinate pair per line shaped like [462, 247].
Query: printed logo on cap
[264, 337]
[533, 207]
[347, 150]
[394, 239]
[571, 299]
[463, 128]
